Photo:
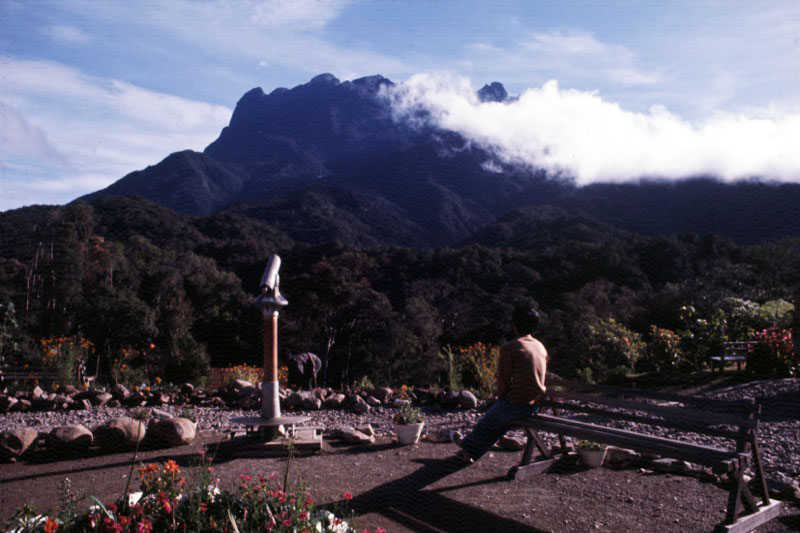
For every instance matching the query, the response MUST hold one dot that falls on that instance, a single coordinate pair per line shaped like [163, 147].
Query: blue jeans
[494, 425]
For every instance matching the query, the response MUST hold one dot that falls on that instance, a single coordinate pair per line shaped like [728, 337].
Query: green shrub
[600, 344]
[618, 376]
[663, 352]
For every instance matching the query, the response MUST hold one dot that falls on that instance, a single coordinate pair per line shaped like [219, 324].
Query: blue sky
[611, 90]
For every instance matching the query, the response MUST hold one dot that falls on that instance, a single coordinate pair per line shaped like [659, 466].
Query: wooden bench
[732, 351]
[734, 422]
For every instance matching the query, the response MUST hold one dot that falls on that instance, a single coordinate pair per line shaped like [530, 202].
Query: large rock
[312, 403]
[361, 408]
[169, 432]
[383, 394]
[400, 402]
[101, 399]
[16, 442]
[23, 406]
[120, 391]
[622, 456]
[37, 392]
[334, 400]
[68, 390]
[467, 400]
[74, 437]
[294, 399]
[7, 403]
[120, 434]
[372, 401]
[352, 435]
[448, 398]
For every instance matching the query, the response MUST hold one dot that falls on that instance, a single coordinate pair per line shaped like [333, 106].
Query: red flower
[203, 507]
[309, 501]
[347, 496]
[287, 522]
[304, 516]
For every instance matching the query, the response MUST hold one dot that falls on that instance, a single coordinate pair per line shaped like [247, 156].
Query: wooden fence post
[796, 324]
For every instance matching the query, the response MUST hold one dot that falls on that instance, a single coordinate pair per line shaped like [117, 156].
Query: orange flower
[158, 381]
[152, 346]
[171, 467]
[50, 526]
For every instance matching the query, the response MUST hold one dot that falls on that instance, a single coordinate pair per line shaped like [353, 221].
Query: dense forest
[155, 292]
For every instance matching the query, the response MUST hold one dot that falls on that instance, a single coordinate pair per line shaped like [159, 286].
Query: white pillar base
[270, 400]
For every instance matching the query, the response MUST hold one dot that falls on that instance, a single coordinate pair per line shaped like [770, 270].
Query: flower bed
[166, 502]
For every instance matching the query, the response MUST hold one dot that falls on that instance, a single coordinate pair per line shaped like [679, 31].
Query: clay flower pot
[592, 458]
[408, 433]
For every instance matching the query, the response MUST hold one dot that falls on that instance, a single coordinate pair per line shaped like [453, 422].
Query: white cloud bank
[579, 135]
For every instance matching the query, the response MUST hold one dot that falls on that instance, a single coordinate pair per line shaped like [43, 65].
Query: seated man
[520, 383]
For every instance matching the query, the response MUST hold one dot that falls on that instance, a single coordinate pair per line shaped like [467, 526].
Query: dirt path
[417, 489]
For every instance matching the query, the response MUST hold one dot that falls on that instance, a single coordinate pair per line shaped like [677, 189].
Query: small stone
[467, 400]
[400, 402]
[512, 444]
[366, 429]
[438, 435]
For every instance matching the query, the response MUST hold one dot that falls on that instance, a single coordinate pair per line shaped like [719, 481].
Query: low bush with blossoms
[165, 502]
[774, 355]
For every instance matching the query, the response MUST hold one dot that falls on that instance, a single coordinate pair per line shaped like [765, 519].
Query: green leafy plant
[453, 366]
[408, 415]
[587, 444]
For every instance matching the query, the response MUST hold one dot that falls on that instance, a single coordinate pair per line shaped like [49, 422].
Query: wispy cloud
[581, 136]
[576, 56]
[66, 34]
[66, 131]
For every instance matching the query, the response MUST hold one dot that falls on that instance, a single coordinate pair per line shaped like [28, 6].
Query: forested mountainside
[174, 291]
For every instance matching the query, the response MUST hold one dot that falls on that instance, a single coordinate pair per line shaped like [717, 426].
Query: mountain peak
[325, 78]
[493, 92]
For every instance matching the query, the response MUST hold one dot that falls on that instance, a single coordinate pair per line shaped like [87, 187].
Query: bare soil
[418, 488]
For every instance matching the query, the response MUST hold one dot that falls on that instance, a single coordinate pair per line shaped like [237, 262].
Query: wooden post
[270, 403]
[796, 324]
[274, 347]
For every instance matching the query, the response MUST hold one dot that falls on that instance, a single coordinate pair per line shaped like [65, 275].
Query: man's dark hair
[525, 319]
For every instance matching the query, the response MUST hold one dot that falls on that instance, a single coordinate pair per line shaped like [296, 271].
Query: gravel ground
[779, 431]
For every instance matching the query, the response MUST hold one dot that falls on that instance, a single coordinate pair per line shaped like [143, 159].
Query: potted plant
[592, 453]
[408, 423]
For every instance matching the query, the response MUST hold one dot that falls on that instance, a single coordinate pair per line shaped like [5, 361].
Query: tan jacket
[521, 370]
